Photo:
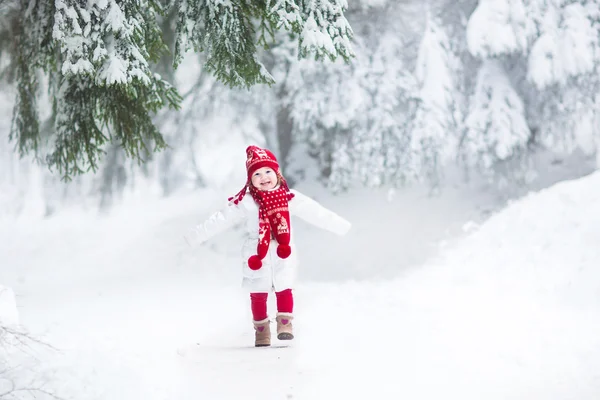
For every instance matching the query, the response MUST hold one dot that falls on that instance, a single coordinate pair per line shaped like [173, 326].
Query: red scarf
[273, 220]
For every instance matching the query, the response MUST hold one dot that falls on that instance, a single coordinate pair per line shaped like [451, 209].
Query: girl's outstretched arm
[314, 213]
[220, 221]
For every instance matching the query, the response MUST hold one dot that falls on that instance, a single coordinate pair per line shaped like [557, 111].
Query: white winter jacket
[275, 274]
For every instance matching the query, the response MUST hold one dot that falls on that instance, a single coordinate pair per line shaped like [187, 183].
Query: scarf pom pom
[254, 262]
[284, 251]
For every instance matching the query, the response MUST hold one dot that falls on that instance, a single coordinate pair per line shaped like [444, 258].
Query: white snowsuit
[275, 274]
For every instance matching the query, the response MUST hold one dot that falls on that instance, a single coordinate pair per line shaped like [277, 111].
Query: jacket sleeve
[220, 221]
[314, 213]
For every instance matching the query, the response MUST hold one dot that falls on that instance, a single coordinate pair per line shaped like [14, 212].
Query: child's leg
[258, 304]
[285, 301]
[285, 308]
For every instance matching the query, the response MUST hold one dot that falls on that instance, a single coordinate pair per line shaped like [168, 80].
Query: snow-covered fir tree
[495, 128]
[434, 135]
[563, 67]
[380, 147]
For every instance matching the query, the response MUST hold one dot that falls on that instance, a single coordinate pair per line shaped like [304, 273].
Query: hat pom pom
[284, 250]
[254, 262]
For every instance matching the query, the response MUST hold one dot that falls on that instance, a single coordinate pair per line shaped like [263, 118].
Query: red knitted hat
[258, 158]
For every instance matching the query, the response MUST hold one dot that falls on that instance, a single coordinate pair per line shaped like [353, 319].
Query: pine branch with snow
[326, 32]
[227, 31]
[9, 11]
[25, 122]
[499, 27]
[99, 58]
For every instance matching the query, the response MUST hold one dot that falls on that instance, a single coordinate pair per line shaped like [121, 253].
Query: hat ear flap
[280, 178]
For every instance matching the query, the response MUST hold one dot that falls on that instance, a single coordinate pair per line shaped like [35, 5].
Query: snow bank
[545, 245]
[510, 312]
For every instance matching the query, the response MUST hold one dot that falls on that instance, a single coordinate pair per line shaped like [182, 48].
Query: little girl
[269, 257]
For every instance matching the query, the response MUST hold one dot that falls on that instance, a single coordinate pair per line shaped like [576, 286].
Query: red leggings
[258, 303]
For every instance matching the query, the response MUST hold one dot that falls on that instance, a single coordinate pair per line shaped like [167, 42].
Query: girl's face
[264, 178]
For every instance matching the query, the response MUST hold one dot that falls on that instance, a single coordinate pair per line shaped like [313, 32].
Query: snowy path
[385, 340]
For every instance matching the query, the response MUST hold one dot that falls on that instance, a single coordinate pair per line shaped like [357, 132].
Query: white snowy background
[467, 290]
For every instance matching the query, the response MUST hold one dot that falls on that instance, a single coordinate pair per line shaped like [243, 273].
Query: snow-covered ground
[510, 312]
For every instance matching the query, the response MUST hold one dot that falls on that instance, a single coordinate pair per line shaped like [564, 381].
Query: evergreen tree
[434, 135]
[496, 129]
[381, 146]
[98, 56]
[563, 69]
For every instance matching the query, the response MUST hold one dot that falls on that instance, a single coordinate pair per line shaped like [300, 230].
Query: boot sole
[262, 345]
[285, 336]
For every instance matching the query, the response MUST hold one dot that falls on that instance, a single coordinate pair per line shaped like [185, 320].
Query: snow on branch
[496, 127]
[326, 31]
[565, 50]
[498, 27]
